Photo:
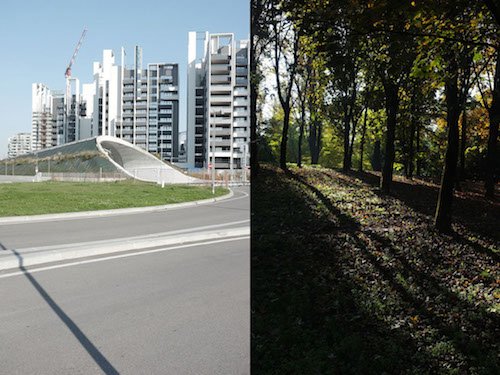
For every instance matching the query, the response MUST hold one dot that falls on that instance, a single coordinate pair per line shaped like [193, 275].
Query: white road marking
[70, 264]
[130, 239]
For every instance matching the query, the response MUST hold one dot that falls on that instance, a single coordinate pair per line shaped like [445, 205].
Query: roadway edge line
[118, 256]
[30, 259]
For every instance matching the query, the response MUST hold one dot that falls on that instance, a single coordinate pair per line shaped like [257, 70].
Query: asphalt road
[15, 236]
[174, 310]
[182, 311]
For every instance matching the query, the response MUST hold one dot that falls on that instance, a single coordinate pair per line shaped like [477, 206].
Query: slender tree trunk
[404, 150]
[284, 136]
[411, 149]
[254, 162]
[301, 134]
[417, 149]
[253, 102]
[492, 152]
[463, 144]
[353, 137]
[362, 141]
[319, 141]
[348, 116]
[315, 141]
[391, 105]
[442, 219]
[312, 137]
[346, 164]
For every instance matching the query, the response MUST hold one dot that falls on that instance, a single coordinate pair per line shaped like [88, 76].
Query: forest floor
[347, 280]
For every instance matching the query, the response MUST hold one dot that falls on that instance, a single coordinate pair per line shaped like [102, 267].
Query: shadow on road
[96, 355]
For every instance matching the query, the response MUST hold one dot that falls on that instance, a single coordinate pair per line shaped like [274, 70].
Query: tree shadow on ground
[91, 349]
[473, 211]
[330, 296]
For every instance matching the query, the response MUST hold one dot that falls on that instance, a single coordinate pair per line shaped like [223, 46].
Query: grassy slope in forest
[347, 280]
[54, 197]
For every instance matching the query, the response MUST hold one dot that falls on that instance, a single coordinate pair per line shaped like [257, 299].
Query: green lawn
[54, 197]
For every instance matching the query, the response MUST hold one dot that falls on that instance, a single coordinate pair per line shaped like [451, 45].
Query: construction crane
[67, 74]
[71, 62]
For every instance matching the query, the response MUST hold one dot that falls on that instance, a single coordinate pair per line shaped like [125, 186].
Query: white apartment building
[218, 118]
[106, 96]
[19, 144]
[150, 116]
[53, 121]
[138, 105]
[43, 129]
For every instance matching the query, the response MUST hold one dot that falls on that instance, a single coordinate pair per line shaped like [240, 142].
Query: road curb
[57, 253]
[112, 212]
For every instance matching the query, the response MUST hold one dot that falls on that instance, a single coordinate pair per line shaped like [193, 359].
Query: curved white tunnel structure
[138, 163]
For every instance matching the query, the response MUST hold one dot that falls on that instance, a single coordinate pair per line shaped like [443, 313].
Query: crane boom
[78, 45]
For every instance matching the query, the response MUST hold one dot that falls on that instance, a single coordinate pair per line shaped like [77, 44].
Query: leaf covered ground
[346, 280]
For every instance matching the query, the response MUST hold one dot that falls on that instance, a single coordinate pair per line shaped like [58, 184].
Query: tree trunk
[417, 149]
[255, 11]
[362, 142]
[312, 138]
[315, 141]
[376, 157]
[284, 137]
[353, 137]
[442, 219]
[301, 134]
[391, 105]
[492, 152]
[318, 141]
[463, 144]
[411, 150]
[346, 165]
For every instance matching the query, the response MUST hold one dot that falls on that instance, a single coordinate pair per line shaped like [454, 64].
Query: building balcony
[220, 99]
[218, 110]
[240, 102]
[220, 120]
[216, 80]
[240, 133]
[222, 143]
[220, 69]
[241, 124]
[219, 58]
[240, 112]
[240, 71]
[241, 61]
[241, 81]
[220, 89]
[218, 132]
[240, 91]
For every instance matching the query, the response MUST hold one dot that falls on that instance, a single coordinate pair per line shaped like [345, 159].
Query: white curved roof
[138, 163]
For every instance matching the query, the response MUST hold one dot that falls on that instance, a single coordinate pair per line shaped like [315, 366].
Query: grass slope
[346, 280]
[54, 197]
